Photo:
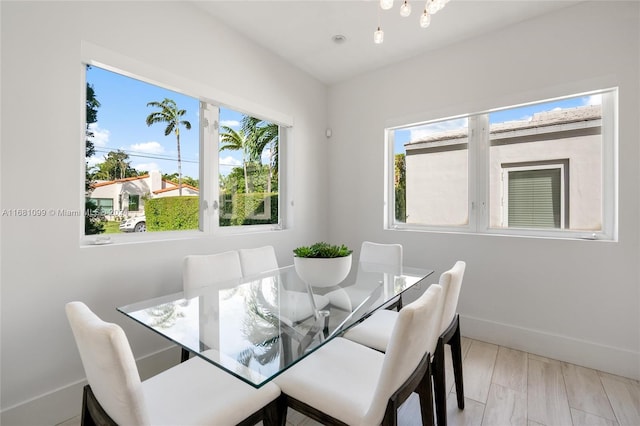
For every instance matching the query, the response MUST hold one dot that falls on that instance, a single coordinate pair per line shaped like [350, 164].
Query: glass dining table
[256, 327]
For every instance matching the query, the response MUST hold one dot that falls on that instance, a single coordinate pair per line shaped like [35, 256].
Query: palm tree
[170, 114]
[237, 141]
[251, 139]
[263, 134]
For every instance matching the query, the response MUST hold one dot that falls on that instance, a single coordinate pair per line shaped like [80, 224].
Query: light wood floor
[508, 387]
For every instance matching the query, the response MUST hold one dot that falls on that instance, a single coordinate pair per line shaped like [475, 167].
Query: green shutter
[534, 198]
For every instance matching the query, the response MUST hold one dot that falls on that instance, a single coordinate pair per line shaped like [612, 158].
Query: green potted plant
[322, 264]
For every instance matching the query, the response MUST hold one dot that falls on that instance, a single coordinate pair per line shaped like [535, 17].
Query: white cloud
[594, 100]
[230, 161]
[100, 136]
[93, 160]
[147, 147]
[230, 123]
[147, 167]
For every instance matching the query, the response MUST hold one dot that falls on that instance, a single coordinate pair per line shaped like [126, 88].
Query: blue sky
[526, 112]
[123, 111]
[121, 125]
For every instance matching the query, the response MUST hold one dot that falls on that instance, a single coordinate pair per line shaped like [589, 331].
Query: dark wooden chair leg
[456, 357]
[439, 384]
[282, 409]
[426, 399]
[92, 412]
[272, 415]
[391, 414]
[184, 355]
[85, 418]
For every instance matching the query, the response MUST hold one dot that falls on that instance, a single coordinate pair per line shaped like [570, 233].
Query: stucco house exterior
[125, 197]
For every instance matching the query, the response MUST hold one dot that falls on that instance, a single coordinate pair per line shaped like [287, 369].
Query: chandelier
[430, 8]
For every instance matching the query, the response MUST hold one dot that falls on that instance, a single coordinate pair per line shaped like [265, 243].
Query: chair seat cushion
[375, 331]
[338, 379]
[196, 392]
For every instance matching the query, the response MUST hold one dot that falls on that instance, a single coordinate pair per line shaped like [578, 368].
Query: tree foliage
[400, 185]
[115, 166]
[92, 223]
[186, 180]
[171, 115]
[253, 137]
[231, 139]
[264, 135]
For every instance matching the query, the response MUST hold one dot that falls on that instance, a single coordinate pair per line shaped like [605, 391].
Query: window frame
[479, 174]
[137, 202]
[99, 208]
[214, 98]
[551, 165]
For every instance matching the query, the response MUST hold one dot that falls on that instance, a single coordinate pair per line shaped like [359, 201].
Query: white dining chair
[385, 254]
[372, 255]
[293, 306]
[203, 270]
[375, 332]
[257, 260]
[344, 382]
[191, 393]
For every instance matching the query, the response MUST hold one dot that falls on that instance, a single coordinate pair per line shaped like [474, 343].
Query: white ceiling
[301, 31]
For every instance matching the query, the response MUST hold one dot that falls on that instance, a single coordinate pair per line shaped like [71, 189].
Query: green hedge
[242, 206]
[172, 213]
[176, 213]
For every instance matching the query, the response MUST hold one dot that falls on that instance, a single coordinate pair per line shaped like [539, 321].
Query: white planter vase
[322, 272]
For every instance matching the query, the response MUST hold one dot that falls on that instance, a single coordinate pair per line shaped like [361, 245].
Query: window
[533, 197]
[102, 206]
[248, 167]
[134, 203]
[163, 157]
[436, 180]
[542, 169]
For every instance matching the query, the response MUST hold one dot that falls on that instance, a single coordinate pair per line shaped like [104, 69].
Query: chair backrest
[388, 254]
[415, 333]
[109, 365]
[257, 260]
[204, 270]
[451, 282]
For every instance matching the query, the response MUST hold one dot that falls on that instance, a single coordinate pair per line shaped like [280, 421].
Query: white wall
[43, 266]
[568, 299]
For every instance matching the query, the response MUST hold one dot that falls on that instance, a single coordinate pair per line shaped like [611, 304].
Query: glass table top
[256, 327]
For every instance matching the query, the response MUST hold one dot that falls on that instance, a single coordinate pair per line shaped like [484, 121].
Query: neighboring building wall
[583, 153]
[437, 179]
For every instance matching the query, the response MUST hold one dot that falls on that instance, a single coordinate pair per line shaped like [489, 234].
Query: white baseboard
[65, 403]
[618, 361]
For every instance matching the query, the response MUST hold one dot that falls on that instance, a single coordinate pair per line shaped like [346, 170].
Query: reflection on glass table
[256, 327]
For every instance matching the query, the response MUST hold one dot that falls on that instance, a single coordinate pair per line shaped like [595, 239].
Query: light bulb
[386, 4]
[432, 6]
[435, 6]
[425, 19]
[378, 36]
[405, 9]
